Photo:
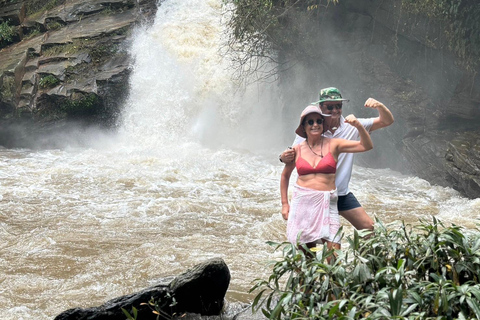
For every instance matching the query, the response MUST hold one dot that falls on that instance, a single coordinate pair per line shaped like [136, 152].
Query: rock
[13, 12]
[463, 163]
[200, 290]
[75, 51]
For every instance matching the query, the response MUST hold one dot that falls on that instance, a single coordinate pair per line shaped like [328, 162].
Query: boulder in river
[200, 290]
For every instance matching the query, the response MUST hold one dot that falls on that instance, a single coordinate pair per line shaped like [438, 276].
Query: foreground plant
[397, 272]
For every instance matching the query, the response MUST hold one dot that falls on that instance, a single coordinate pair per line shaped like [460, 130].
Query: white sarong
[313, 216]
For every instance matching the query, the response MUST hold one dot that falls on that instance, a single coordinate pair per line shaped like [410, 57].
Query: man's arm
[385, 117]
[288, 155]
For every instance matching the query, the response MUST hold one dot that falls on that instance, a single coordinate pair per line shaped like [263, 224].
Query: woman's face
[313, 124]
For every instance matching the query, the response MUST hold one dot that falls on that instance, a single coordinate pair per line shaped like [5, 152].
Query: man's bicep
[371, 124]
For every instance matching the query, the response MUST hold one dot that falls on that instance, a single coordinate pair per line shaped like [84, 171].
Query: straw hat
[308, 110]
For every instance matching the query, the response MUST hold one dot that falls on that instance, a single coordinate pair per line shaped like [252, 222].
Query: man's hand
[372, 103]
[288, 155]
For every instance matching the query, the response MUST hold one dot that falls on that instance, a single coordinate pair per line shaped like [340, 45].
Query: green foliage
[133, 315]
[7, 33]
[260, 28]
[38, 6]
[101, 51]
[273, 30]
[69, 48]
[425, 272]
[54, 25]
[85, 106]
[157, 307]
[7, 88]
[460, 25]
[48, 81]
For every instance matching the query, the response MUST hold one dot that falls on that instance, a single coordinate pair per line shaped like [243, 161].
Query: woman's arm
[284, 182]
[363, 145]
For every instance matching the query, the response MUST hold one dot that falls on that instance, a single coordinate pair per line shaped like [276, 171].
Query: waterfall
[182, 89]
[192, 174]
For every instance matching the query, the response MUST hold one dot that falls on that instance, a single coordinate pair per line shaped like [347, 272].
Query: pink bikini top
[326, 165]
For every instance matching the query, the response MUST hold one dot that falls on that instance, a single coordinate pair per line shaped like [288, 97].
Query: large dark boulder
[200, 290]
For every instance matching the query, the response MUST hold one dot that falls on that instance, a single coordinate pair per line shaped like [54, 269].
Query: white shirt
[345, 160]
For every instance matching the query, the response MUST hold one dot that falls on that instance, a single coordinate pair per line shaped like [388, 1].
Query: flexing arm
[349, 146]
[284, 182]
[385, 117]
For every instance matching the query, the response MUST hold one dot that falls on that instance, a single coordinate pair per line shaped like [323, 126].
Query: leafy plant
[157, 307]
[259, 29]
[54, 25]
[133, 315]
[48, 81]
[7, 87]
[426, 271]
[7, 33]
[459, 22]
[84, 106]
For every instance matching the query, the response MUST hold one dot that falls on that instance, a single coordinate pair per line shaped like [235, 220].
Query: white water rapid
[192, 174]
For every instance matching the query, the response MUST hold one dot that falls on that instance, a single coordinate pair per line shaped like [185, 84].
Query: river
[191, 173]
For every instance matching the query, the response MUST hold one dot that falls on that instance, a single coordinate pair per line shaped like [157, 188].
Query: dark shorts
[347, 202]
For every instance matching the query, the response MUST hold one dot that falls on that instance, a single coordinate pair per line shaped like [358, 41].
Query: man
[330, 102]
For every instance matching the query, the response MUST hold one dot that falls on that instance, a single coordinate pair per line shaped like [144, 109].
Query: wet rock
[463, 163]
[72, 51]
[13, 12]
[200, 290]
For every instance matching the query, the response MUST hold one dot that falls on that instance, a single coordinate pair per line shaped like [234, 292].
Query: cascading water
[192, 174]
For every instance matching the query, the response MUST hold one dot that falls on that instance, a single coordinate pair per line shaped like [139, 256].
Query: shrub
[7, 88]
[7, 33]
[86, 105]
[426, 271]
[48, 81]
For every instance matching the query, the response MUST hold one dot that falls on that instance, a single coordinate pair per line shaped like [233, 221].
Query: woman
[313, 215]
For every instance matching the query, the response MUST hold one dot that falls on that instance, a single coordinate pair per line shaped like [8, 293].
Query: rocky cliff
[67, 64]
[70, 64]
[371, 48]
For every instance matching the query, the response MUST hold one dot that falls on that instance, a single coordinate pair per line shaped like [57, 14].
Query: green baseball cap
[330, 94]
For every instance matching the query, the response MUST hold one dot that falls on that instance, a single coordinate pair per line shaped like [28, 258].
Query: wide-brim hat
[329, 94]
[308, 110]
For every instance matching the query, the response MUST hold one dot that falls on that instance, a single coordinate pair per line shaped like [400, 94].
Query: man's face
[333, 108]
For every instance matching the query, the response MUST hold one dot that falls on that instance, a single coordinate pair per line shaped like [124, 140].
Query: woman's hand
[352, 120]
[285, 210]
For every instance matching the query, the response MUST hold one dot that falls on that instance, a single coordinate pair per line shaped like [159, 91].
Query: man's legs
[352, 210]
[358, 218]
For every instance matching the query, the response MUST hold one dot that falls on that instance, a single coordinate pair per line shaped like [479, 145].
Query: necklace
[321, 150]
[334, 128]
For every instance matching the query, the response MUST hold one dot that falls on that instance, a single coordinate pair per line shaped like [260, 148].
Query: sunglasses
[311, 122]
[336, 106]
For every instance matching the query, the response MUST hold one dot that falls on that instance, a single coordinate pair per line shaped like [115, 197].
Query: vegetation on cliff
[261, 27]
[460, 22]
[426, 272]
